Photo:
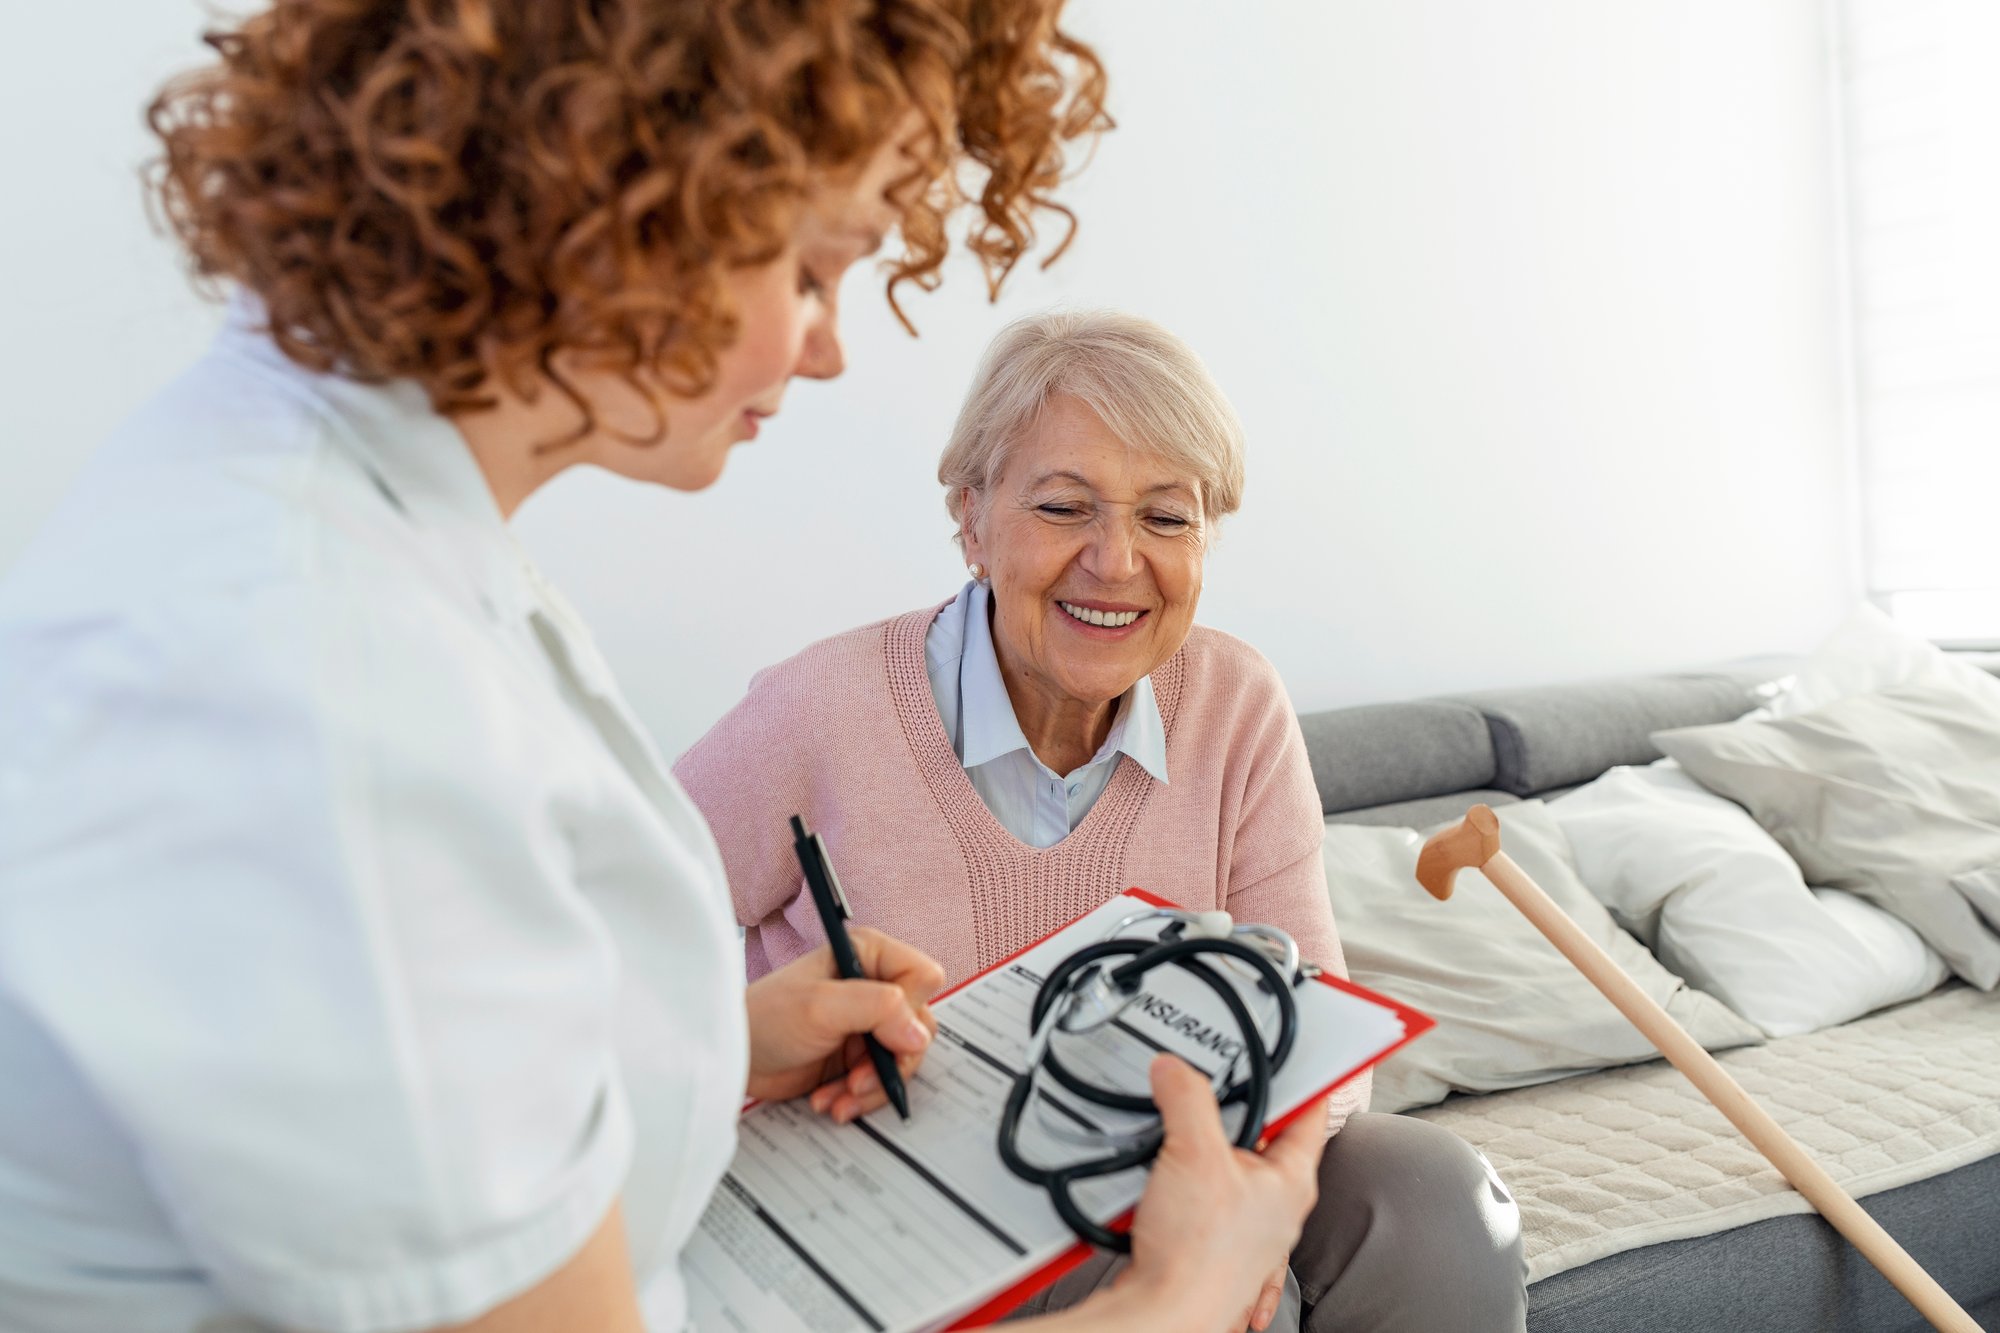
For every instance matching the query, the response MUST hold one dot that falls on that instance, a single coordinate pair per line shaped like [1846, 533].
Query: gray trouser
[1413, 1233]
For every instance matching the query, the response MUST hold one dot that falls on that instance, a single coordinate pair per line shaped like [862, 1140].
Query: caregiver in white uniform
[362, 966]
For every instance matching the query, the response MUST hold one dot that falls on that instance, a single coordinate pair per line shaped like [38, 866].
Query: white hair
[1145, 384]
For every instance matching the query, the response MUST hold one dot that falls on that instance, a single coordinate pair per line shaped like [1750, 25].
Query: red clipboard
[1415, 1024]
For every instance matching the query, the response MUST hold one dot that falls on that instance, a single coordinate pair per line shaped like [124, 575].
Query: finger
[839, 1009]
[862, 1081]
[847, 1108]
[1297, 1150]
[841, 1103]
[841, 1065]
[1188, 1113]
[826, 1094]
[1267, 1301]
[886, 958]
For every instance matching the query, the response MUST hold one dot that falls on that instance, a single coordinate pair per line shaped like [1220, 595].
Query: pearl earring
[977, 570]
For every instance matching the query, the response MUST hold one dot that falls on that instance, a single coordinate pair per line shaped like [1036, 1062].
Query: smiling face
[1094, 550]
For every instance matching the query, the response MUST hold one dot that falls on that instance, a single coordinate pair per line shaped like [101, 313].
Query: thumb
[1297, 1150]
[842, 1008]
[1188, 1113]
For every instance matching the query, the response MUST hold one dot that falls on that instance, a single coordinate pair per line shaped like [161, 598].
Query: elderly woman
[985, 770]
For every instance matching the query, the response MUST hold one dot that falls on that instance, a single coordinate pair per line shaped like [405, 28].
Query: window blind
[1918, 101]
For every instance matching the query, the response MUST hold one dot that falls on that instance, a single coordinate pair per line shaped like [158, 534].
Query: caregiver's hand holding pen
[806, 1024]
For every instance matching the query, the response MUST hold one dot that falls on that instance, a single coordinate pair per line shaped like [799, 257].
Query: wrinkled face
[1094, 551]
[789, 312]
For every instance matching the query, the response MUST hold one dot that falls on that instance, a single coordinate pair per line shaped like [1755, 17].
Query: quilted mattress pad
[1620, 1158]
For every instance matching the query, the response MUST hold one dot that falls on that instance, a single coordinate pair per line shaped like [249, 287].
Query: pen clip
[832, 879]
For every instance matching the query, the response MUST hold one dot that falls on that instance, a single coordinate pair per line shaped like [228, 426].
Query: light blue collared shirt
[1029, 798]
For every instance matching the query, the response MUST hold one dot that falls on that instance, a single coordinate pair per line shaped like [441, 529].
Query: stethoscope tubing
[1253, 1090]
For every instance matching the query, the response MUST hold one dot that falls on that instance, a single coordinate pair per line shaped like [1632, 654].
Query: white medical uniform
[357, 950]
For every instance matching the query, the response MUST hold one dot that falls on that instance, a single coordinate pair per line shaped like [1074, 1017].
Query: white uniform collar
[426, 471]
[415, 457]
[990, 729]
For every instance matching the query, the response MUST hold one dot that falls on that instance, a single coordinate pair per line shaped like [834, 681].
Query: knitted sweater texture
[847, 734]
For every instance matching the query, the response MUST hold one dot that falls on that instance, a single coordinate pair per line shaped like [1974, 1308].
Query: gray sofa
[1421, 762]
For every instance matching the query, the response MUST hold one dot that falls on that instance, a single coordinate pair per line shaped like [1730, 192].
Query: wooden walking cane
[1474, 844]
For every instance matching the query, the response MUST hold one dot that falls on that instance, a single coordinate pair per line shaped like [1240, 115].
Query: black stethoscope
[1091, 990]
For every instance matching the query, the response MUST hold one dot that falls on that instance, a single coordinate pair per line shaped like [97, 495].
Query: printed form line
[734, 1186]
[958, 1200]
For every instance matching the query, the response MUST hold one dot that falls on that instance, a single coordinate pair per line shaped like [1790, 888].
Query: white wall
[94, 313]
[1529, 310]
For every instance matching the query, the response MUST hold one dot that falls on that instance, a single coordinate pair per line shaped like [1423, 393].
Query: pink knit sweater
[847, 735]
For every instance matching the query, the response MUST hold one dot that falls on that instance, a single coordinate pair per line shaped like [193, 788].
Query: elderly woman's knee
[1405, 1196]
[1403, 1158]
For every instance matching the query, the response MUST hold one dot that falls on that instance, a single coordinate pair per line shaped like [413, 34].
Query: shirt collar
[414, 456]
[990, 729]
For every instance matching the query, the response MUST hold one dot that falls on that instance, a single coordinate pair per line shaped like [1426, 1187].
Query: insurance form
[893, 1226]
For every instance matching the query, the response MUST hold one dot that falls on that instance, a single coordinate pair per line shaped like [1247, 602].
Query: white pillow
[1510, 1010]
[1893, 795]
[1870, 653]
[1723, 905]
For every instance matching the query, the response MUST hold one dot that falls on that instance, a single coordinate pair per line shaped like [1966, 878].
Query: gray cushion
[1422, 814]
[1548, 738]
[1379, 753]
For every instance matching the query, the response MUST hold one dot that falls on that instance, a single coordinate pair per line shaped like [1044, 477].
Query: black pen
[833, 914]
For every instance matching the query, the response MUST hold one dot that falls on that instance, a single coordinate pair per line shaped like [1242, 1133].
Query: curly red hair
[442, 190]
